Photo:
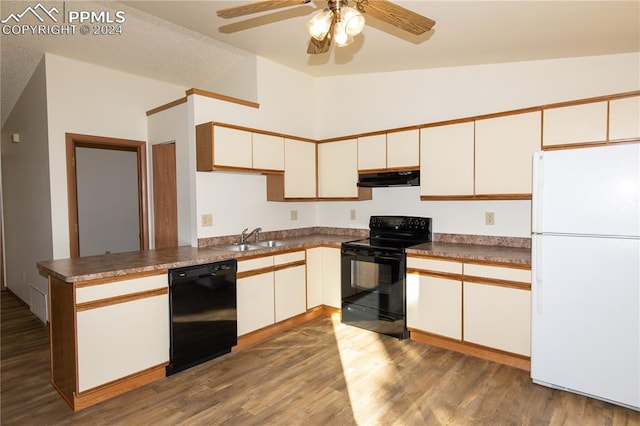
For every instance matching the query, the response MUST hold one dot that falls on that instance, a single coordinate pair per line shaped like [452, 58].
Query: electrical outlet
[207, 219]
[489, 218]
[353, 214]
[294, 214]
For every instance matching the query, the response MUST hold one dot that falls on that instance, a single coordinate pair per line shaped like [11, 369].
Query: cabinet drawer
[257, 263]
[120, 288]
[281, 259]
[497, 272]
[435, 265]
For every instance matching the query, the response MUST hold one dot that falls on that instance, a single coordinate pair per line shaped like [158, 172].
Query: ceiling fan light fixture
[320, 24]
[353, 20]
[340, 35]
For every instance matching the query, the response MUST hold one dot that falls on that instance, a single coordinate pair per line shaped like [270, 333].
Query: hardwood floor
[322, 373]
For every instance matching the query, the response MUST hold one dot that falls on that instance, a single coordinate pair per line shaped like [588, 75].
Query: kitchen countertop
[470, 252]
[121, 264]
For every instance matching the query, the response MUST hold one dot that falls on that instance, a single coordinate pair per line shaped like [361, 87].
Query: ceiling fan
[338, 21]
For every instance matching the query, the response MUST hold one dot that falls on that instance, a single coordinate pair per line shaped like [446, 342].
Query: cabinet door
[290, 292]
[231, 147]
[575, 124]
[331, 291]
[338, 169]
[624, 118]
[403, 149]
[447, 160]
[372, 152]
[434, 305]
[498, 317]
[504, 152]
[314, 277]
[255, 302]
[122, 339]
[268, 152]
[299, 169]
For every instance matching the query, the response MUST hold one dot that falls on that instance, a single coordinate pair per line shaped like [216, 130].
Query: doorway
[107, 191]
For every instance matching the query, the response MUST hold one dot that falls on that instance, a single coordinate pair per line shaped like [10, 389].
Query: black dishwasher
[202, 301]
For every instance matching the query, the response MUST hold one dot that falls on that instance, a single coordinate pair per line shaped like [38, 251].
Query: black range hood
[387, 179]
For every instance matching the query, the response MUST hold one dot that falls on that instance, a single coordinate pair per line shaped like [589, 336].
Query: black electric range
[373, 273]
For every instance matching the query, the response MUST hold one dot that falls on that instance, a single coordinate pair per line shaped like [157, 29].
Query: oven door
[374, 278]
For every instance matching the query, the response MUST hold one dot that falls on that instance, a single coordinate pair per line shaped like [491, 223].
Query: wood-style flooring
[321, 373]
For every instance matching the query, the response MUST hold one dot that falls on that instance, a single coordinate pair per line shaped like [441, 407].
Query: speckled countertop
[487, 253]
[211, 250]
[121, 264]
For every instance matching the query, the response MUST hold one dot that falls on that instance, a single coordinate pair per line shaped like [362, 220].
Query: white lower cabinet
[118, 340]
[434, 296]
[255, 295]
[270, 289]
[323, 277]
[314, 277]
[487, 305]
[290, 292]
[498, 317]
[434, 305]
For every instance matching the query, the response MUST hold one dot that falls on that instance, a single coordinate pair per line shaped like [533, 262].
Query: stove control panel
[400, 223]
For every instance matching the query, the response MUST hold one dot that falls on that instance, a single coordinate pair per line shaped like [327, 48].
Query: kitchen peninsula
[109, 314]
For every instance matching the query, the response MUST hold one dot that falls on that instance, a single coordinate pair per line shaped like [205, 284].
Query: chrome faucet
[244, 236]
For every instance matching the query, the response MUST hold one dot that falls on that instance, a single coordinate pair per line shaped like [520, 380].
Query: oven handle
[365, 253]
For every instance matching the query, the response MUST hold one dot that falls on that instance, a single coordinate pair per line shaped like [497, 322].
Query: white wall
[93, 100]
[171, 125]
[25, 191]
[427, 96]
[237, 201]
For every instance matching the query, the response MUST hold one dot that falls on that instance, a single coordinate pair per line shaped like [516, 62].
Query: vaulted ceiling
[185, 43]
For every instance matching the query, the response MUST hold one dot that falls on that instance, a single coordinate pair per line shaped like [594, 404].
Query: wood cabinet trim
[101, 303]
[435, 274]
[225, 98]
[290, 265]
[476, 197]
[166, 106]
[254, 272]
[496, 282]
[496, 355]
[99, 281]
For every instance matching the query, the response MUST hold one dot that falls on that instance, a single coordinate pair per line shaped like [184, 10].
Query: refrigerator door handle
[538, 273]
[536, 202]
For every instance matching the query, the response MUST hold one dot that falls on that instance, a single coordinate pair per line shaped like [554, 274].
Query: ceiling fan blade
[257, 7]
[317, 47]
[396, 15]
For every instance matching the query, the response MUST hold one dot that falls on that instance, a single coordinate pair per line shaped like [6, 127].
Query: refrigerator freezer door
[592, 191]
[586, 316]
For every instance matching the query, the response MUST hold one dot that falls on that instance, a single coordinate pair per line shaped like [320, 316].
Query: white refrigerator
[585, 335]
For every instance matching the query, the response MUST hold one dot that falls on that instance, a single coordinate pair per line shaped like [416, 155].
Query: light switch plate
[294, 214]
[207, 219]
[489, 218]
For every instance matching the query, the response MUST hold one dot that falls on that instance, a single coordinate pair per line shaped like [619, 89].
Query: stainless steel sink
[271, 243]
[241, 247]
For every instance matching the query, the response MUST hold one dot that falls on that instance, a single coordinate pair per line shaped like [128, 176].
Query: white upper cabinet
[268, 152]
[504, 152]
[624, 118]
[337, 169]
[231, 147]
[299, 169]
[403, 149]
[447, 160]
[372, 152]
[583, 123]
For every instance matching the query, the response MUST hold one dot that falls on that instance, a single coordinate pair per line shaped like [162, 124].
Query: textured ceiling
[183, 42]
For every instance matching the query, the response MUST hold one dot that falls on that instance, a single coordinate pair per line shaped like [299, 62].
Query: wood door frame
[74, 141]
